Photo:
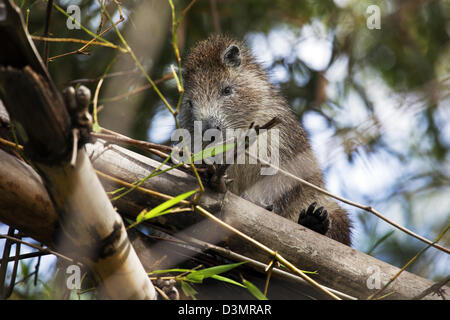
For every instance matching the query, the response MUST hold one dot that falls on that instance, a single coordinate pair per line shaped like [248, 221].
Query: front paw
[315, 219]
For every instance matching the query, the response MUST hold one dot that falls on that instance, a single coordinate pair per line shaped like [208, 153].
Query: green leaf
[48, 291]
[225, 279]
[211, 152]
[379, 241]
[199, 275]
[162, 208]
[96, 127]
[254, 290]
[169, 270]
[195, 277]
[188, 290]
[304, 271]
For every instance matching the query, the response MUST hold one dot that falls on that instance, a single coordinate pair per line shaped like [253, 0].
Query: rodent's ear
[232, 56]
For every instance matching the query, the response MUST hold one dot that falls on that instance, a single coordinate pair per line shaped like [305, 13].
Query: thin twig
[109, 134]
[95, 102]
[10, 144]
[407, 265]
[90, 42]
[46, 250]
[241, 234]
[152, 193]
[102, 20]
[273, 253]
[153, 173]
[138, 64]
[165, 77]
[14, 272]
[104, 76]
[252, 263]
[3, 267]
[73, 157]
[434, 288]
[61, 10]
[175, 25]
[26, 256]
[162, 293]
[268, 270]
[366, 208]
[75, 40]
[151, 147]
[128, 141]
[48, 15]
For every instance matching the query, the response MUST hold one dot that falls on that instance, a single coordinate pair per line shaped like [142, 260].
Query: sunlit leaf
[199, 275]
[162, 208]
[211, 152]
[169, 270]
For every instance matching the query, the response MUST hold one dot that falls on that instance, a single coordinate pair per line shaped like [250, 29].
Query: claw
[318, 212]
[311, 208]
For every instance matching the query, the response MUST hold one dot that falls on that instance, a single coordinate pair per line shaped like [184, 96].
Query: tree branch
[339, 267]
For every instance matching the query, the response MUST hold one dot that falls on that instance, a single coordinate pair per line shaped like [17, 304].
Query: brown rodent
[225, 88]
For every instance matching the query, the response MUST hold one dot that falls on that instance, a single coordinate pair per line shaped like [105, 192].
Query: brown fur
[254, 99]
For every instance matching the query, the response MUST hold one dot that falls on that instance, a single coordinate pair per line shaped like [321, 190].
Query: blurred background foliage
[375, 102]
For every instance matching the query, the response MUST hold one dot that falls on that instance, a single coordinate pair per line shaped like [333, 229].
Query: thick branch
[339, 267]
[87, 222]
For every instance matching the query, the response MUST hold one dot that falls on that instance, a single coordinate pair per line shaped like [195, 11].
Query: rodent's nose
[210, 124]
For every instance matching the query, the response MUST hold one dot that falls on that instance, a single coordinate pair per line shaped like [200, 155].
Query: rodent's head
[224, 87]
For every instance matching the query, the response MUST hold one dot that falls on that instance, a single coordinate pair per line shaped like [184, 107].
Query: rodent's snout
[210, 123]
[211, 131]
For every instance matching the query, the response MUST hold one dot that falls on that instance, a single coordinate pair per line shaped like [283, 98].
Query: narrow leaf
[211, 152]
[188, 290]
[96, 127]
[254, 290]
[379, 241]
[159, 210]
[209, 272]
[195, 277]
[168, 270]
[225, 279]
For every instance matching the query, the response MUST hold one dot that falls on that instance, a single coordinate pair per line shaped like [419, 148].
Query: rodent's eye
[189, 103]
[226, 91]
